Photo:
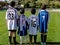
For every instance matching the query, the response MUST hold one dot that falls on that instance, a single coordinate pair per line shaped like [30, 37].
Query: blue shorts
[22, 33]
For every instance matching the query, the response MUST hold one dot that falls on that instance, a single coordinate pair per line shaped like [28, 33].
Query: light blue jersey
[33, 24]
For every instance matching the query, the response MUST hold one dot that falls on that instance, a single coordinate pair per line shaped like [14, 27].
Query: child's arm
[38, 23]
[39, 18]
[27, 25]
[18, 22]
[28, 21]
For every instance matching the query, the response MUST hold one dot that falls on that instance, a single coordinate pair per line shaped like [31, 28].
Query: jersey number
[33, 23]
[11, 16]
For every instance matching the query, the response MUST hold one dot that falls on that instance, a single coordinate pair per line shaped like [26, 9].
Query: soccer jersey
[22, 25]
[43, 20]
[33, 24]
[11, 17]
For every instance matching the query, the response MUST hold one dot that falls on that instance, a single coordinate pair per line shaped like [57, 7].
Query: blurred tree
[19, 0]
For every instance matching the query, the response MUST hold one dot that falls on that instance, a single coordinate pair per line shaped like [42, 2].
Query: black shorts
[32, 35]
[12, 30]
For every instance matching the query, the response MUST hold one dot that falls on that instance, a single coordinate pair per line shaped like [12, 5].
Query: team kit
[33, 23]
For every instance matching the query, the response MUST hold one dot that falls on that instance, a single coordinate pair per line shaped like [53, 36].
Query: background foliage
[37, 3]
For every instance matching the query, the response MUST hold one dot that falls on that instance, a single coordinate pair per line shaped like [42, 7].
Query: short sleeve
[28, 20]
[17, 17]
[39, 18]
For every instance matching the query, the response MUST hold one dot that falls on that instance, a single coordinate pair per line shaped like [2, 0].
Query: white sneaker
[20, 43]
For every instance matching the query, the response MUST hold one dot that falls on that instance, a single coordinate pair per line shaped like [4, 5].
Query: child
[11, 19]
[22, 31]
[43, 21]
[33, 25]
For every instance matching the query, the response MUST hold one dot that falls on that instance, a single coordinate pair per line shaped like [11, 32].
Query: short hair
[43, 6]
[22, 10]
[33, 10]
[12, 3]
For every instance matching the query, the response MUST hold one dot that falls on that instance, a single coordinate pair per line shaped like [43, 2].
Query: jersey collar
[42, 10]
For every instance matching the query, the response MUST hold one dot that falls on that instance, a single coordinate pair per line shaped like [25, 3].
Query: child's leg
[35, 37]
[10, 37]
[45, 37]
[30, 36]
[42, 39]
[25, 39]
[14, 37]
[20, 39]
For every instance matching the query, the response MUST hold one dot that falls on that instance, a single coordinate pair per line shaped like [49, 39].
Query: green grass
[53, 28]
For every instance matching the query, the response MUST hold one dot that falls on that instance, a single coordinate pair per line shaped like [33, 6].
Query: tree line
[37, 3]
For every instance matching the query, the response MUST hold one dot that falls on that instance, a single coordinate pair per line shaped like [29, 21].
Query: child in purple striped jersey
[22, 31]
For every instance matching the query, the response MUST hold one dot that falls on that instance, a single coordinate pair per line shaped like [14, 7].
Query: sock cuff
[9, 36]
[14, 37]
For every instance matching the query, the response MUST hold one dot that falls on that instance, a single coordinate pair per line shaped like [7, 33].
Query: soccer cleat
[16, 43]
[10, 43]
[20, 43]
[30, 43]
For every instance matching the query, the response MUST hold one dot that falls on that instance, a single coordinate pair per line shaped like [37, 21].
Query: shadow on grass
[0, 44]
[35, 44]
[38, 43]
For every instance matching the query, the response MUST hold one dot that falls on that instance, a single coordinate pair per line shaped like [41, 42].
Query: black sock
[41, 37]
[45, 37]
[14, 39]
[30, 37]
[10, 39]
[35, 37]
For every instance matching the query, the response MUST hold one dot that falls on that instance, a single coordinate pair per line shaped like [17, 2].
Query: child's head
[33, 11]
[43, 6]
[12, 3]
[22, 11]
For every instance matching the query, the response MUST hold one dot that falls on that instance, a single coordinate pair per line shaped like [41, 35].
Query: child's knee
[14, 34]
[10, 33]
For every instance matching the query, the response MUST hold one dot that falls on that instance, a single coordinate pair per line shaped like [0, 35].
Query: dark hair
[22, 10]
[33, 11]
[12, 3]
[43, 6]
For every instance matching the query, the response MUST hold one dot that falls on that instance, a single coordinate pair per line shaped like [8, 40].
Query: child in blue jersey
[43, 21]
[11, 20]
[33, 25]
[22, 31]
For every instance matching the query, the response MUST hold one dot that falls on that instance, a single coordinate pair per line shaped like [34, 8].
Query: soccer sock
[41, 37]
[14, 39]
[20, 39]
[10, 39]
[30, 36]
[45, 37]
[35, 37]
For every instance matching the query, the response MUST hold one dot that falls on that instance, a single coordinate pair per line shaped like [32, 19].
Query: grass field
[53, 28]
